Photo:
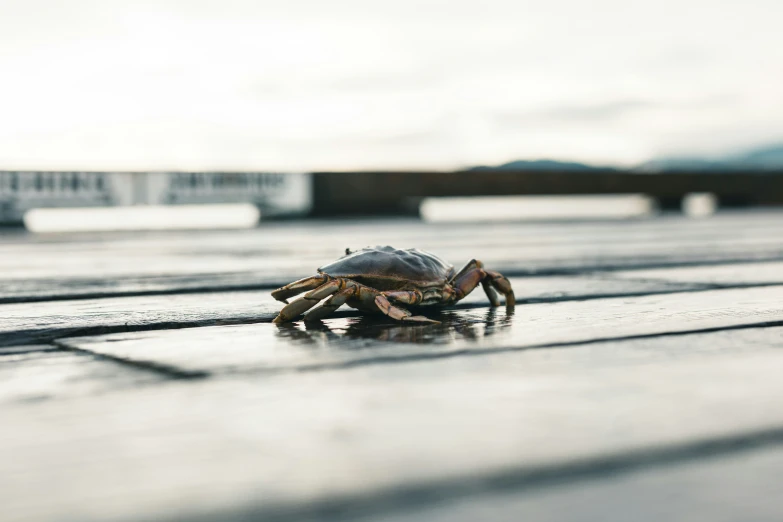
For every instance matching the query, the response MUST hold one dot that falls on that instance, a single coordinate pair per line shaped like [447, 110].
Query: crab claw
[474, 273]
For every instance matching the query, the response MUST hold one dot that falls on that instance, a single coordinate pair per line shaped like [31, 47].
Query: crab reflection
[456, 325]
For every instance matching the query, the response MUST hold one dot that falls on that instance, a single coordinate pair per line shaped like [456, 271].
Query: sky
[353, 84]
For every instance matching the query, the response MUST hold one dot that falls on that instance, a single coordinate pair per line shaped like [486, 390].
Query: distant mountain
[693, 164]
[543, 164]
[763, 158]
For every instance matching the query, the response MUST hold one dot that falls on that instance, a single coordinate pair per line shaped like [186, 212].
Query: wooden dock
[640, 377]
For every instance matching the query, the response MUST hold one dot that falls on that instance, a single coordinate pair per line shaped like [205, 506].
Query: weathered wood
[296, 446]
[46, 321]
[273, 348]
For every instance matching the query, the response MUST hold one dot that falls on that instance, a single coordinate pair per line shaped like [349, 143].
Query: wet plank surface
[140, 377]
[47, 321]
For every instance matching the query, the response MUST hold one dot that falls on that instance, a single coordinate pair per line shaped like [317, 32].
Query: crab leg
[331, 304]
[309, 300]
[398, 313]
[474, 273]
[502, 285]
[491, 294]
[297, 287]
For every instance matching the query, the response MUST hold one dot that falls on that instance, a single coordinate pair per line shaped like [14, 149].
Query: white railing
[276, 194]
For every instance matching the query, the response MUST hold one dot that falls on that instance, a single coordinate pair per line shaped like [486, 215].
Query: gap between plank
[159, 369]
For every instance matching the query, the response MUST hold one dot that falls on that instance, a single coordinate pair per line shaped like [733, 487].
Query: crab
[383, 279]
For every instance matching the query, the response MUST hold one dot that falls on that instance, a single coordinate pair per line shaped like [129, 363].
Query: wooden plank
[163, 264]
[316, 235]
[736, 487]
[86, 287]
[46, 321]
[345, 343]
[319, 237]
[304, 235]
[49, 374]
[720, 275]
[297, 446]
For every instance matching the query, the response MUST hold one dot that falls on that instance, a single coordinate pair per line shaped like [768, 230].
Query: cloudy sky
[314, 84]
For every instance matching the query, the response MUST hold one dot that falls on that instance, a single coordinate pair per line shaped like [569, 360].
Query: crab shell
[389, 268]
[375, 277]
